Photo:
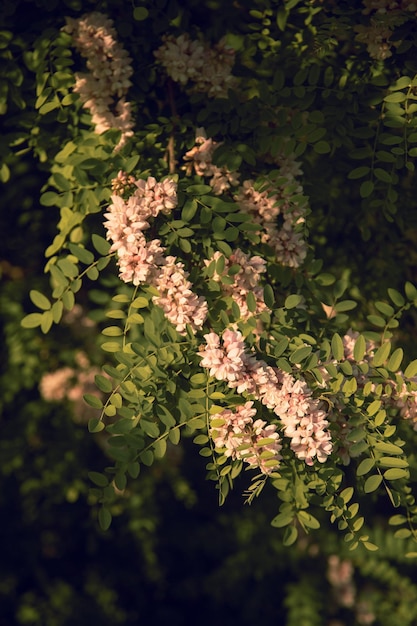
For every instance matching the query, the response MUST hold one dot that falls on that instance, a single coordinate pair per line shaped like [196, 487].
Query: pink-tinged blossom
[291, 400]
[103, 89]
[340, 575]
[54, 386]
[376, 36]
[266, 446]
[224, 362]
[141, 263]
[304, 421]
[138, 259]
[266, 206]
[196, 66]
[406, 402]
[289, 246]
[199, 159]
[72, 383]
[245, 281]
[262, 205]
[180, 304]
[242, 438]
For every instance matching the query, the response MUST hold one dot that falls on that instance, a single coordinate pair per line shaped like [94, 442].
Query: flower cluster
[71, 383]
[141, 261]
[245, 279]
[376, 35]
[266, 205]
[301, 416]
[242, 438]
[385, 17]
[199, 159]
[179, 303]
[194, 61]
[103, 89]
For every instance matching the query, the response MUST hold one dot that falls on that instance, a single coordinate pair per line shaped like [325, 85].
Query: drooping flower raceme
[242, 438]
[266, 206]
[179, 303]
[142, 261]
[104, 88]
[196, 66]
[199, 159]
[246, 278]
[292, 401]
[139, 260]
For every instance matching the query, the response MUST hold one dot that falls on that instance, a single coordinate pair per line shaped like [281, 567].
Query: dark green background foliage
[172, 555]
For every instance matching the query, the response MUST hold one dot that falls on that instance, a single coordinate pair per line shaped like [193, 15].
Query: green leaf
[300, 354]
[410, 291]
[103, 383]
[382, 354]
[396, 297]
[382, 175]
[104, 518]
[189, 209]
[395, 360]
[101, 245]
[98, 479]
[95, 425]
[372, 483]
[398, 96]
[83, 255]
[365, 466]
[292, 301]
[93, 401]
[269, 296]
[359, 172]
[39, 300]
[283, 519]
[366, 188]
[345, 305]
[376, 320]
[359, 349]
[290, 536]
[49, 198]
[395, 473]
[32, 320]
[111, 346]
[337, 347]
[389, 461]
[411, 369]
[322, 147]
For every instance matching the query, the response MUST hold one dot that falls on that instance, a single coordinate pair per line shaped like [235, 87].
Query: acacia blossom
[103, 89]
[245, 280]
[142, 261]
[266, 206]
[139, 260]
[196, 66]
[304, 422]
[71, 383]
[179, 303]
[199, 159]
[242, 438]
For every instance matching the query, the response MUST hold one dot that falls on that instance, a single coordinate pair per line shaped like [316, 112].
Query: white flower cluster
[103, 89]
[265, 206]
[242, 438]
[385, 17]
[199, 159]
[196, 66]
[304, 422]
[141, 261]
[245, 280]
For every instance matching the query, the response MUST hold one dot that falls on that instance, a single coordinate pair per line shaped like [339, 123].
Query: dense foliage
[225, 199]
